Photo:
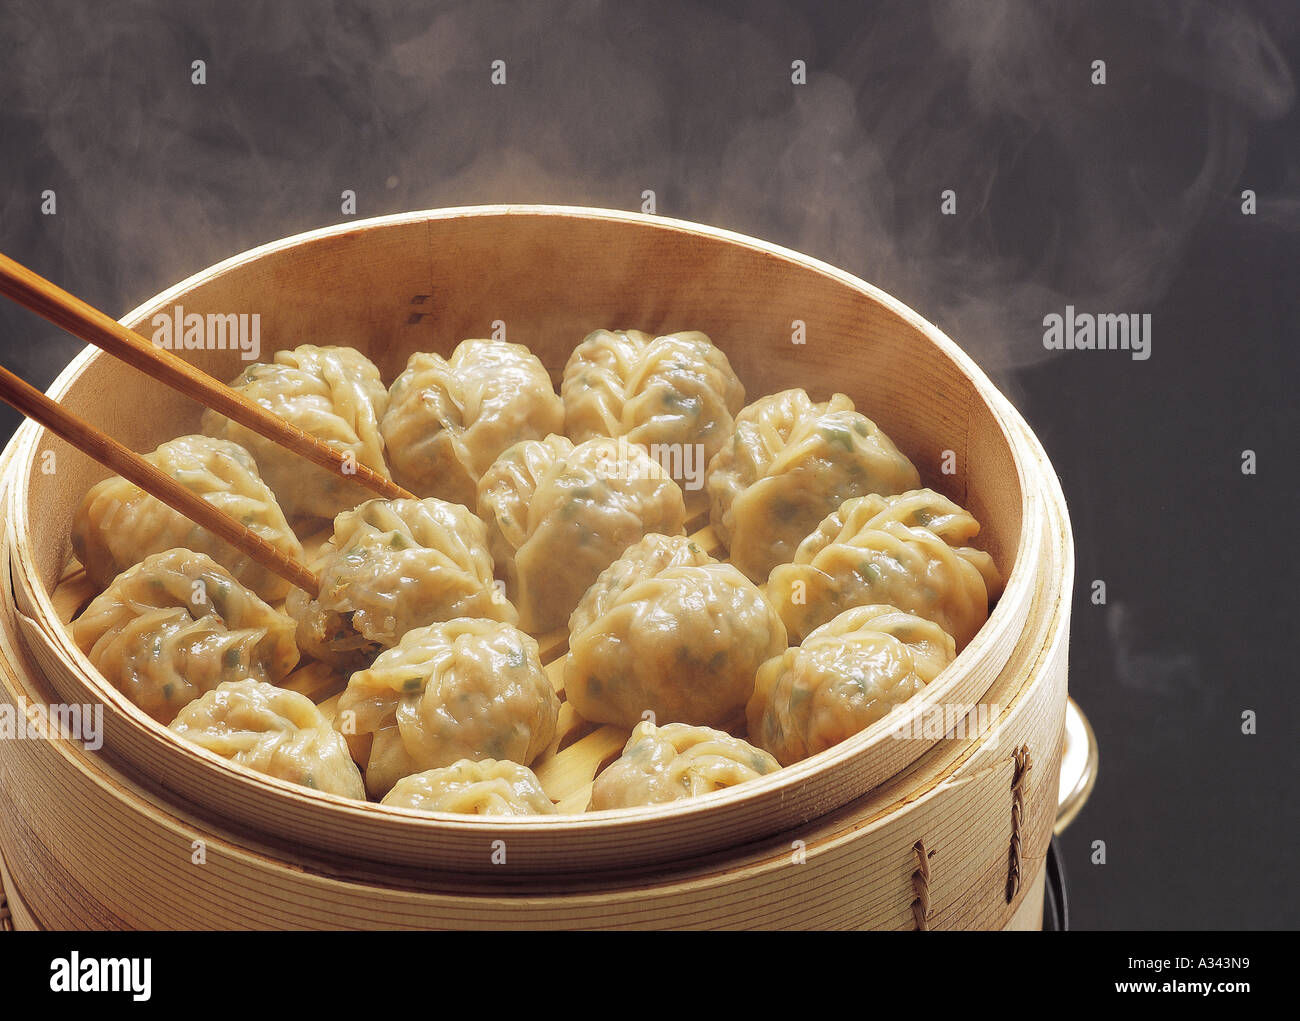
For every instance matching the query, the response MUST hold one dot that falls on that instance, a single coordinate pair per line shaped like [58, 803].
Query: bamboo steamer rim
[1006, 616]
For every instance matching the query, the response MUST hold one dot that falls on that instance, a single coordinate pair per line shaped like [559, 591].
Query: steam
[1066, 192]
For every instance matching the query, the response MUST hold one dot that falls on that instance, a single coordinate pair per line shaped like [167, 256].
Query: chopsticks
[131, 466]
[87, 323]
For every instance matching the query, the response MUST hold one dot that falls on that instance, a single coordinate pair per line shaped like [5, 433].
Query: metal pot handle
[1078, 766]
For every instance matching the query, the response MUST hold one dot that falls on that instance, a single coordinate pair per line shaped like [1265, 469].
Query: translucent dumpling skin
[176, 625]
[118, 524]
[789, 464]
[465, 689]
[907, 551]
[558, 514]
[274, 731]
[466, 787]
[449, 418]
[390, 566]
[675, 391]
[334, 393]
[676, 761]
[667, 628]
[846, 675]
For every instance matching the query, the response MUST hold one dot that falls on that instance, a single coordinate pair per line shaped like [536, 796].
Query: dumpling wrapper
[273, 731]
[790, 463]
[906, 551]
[178, 624]
[392, 566]
[118, 524]
[558, 514]
[487, 787]
[676, 395]
[449, 418]
[847, 674]
[676, 761]
[465, 689]
[668, 629]
[334, 393]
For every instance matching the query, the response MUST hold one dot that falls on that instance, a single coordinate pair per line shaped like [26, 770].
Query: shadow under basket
[913, 823]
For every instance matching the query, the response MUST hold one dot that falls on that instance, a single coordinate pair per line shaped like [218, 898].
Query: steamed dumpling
[667, 628]
[118, 524]
[675, 395]
[449, 418]
[176, 625]
[391, 566]
[907, 551]
[274, 731]
[848, 674]
[488, 787]
[790, 463]
[675, 761]
[558, 514]
[335, 394]
[466, 689]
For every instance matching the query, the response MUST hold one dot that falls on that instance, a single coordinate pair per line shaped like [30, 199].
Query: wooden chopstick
[130, 465]
[87, 323]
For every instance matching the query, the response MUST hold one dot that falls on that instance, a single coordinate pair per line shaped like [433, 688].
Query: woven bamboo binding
[921, 886]
[1018, 783]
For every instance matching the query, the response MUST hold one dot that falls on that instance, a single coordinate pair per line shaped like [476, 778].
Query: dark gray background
[1117, 198]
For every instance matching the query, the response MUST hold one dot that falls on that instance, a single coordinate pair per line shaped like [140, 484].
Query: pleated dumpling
[277, 732]
[558, 514]
[488, 787]
[846, 675]
[906, 551]
[676, 761]
[675, 395]
[465, 689]
[449, 418]
[118, 524]
[177, 624]
[392, 566]
[790, 463]
[335, 394]
[669, 629]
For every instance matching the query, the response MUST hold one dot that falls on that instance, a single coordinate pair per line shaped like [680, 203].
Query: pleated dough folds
[906, 550]
[558, 514]
[790, 463]
[274, 731]
[335, 394]
[449, 418]
[676, 395]
[670, 630]
[118, 524]
[487, 787]
[676, 761]
[389, 567]
[847, 674]
[178, 624]
[465, 689]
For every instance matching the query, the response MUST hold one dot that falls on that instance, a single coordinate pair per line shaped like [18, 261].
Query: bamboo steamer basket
[927, 830]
